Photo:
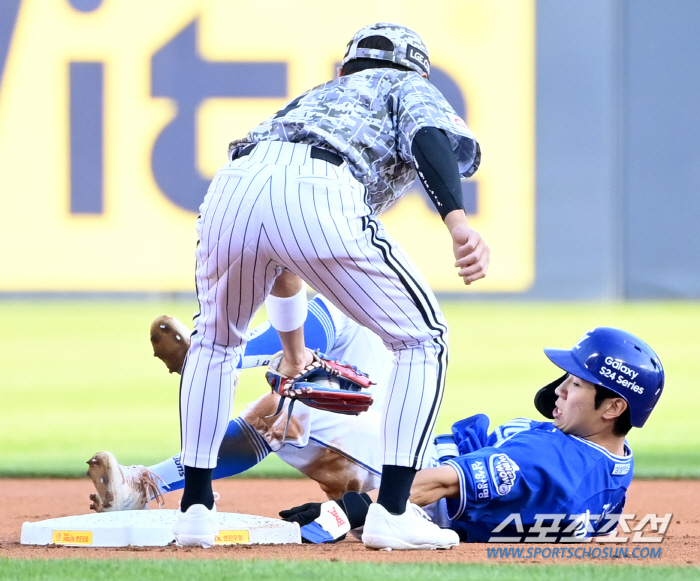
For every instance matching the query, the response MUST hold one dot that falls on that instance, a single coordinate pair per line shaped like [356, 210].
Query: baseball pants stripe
[429, 315]
[279, 208]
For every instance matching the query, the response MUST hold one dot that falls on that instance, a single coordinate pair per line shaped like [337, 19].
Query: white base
[152, 528]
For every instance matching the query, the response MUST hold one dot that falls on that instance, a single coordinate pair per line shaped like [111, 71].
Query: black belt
[316, 153]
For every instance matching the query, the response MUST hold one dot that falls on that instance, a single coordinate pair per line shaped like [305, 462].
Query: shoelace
[145, 480]
[420, 512]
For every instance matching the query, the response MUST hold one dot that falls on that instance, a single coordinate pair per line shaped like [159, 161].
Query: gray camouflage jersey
[370, 119]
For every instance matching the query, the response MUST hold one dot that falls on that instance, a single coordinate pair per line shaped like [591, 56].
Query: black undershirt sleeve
[437, 169]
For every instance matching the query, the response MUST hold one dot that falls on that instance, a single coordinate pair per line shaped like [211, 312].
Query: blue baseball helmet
[620, 362]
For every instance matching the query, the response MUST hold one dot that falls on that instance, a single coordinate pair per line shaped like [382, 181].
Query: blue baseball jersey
[526, 469]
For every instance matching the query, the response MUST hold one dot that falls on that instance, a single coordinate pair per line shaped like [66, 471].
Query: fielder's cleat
[121, 487]
[408, 531]
[197, 527]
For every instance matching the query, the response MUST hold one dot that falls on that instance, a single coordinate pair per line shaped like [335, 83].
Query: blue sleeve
[470, 433]
[527, 474]
[477, 488]
[241, 449]
[264, 341]
[509, 429]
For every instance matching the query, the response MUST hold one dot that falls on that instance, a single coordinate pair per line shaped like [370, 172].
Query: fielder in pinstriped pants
[299, 199]
[279, 208]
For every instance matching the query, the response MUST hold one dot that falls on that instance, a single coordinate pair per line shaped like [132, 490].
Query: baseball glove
[170, 340]
[324, 384]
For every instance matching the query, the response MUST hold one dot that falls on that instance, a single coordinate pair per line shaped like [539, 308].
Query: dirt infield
[33, 500]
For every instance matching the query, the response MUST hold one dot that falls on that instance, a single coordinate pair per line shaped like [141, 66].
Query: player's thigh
[234, 271]
[327, 236]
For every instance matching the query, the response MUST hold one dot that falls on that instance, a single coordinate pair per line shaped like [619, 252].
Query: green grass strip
[215, 570]
[91, 383]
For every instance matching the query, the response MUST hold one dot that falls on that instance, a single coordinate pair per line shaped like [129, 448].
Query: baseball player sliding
[299, 199]
[578, 465]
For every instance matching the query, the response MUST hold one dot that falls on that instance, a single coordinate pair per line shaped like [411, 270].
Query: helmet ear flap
[545, 398]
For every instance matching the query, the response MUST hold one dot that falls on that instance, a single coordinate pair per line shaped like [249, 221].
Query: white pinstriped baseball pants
[279, 208]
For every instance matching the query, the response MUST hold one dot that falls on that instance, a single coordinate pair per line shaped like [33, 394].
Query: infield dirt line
[38, 499]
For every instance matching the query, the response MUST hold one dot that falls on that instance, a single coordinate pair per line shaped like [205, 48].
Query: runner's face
[575, 411]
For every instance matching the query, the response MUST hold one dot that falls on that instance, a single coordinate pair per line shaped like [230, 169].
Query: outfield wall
[618, 149]
[114, 116]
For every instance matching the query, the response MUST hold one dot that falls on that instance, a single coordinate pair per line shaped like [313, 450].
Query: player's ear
[339, 71]
[614, 407]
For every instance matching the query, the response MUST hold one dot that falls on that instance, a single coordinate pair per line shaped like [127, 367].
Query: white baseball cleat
[197, 527]
[121, 487]
[408, 531]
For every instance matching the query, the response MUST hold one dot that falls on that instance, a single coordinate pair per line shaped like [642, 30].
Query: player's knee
[337, 474]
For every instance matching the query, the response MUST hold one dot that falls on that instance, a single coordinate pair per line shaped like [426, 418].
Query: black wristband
[355, 506]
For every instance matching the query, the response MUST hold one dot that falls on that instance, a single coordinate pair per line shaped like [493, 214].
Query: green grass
[79, 377]
[174, 570]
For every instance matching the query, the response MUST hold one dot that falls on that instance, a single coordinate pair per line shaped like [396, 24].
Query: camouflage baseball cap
[409, 49]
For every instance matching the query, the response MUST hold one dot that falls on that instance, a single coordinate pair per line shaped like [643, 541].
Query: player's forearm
[296, 356]
[286, 308]
[433, 484]
[437, 170]
[264, 342]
